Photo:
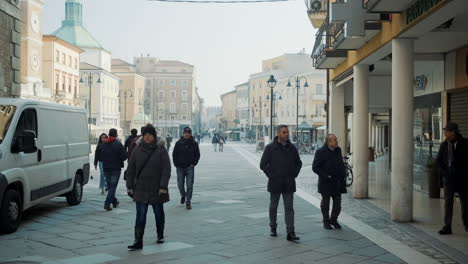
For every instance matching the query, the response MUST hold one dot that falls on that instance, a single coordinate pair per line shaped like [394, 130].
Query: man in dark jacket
[281, 164]
[149, 171]
[112, 155]
[329, 166]
[185, 156]
[168, 142]
[453, 163]
[133, 135]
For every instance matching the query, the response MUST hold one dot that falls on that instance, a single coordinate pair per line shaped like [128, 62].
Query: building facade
[131, 96]
[99, 88]
[229, 120]
[301, 109]
[395, 80]
[61, 70]
[169, 91]
[10, 49]
[242, 108]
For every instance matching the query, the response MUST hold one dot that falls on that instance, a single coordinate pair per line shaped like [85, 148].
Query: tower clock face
[35, 23]
[35, 60]
[316, 5]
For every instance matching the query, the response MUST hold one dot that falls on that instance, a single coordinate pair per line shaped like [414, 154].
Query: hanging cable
[219, 1]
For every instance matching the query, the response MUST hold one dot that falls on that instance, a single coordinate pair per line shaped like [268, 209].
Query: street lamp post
[298, 86]
[126, 96]
[90, 76]
[271, 83]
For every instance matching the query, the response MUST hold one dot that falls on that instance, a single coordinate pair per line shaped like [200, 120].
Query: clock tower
[31, 48]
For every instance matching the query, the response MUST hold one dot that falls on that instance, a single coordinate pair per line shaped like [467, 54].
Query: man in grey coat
[149, 171]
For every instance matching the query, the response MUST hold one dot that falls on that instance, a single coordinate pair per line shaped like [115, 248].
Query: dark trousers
[288, 199]
[142, 210]
[112, 180]
[449, 196]
[183, 175]
[325, 207]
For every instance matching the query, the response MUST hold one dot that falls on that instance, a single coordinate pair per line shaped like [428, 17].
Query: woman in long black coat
[149, 171]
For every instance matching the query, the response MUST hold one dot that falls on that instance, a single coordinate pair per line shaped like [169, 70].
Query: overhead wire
[219, 1]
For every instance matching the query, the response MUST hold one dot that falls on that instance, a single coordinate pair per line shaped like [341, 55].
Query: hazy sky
[225, 42]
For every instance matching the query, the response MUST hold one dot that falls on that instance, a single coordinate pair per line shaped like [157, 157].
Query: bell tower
[31, 48]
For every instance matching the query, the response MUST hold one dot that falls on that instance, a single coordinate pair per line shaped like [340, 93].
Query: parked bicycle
[306, 148]
[349, 170]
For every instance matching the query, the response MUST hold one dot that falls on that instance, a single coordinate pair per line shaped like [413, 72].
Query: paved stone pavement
[378, 219]
[228, 224]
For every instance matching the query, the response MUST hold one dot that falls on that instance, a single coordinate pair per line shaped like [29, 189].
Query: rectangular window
[69, 61]
[173, 83]
[184, 107]
[184, 117]
[161, 95]
[318, 89]
[161, 117]
[161, 106]
[172, 117]
[57, 56]
[69, 85]
[185, 83]
[160, 83]
[185, 96]
[76, 63]
[57, 82]
[63, 83]
[64, 59]
[173, 94]
[173, 108]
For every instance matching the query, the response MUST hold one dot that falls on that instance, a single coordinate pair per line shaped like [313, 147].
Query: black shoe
[273, 232]
[327, 225]
[292, 237]
[188, 205]
[108, 208]
[160, 240]
[335, 224]
[115, 203]
[182, 200]
[138, 243]
[446, 230]
[466, 228]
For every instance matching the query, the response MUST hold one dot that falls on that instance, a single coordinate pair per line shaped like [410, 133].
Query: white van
[44, 153]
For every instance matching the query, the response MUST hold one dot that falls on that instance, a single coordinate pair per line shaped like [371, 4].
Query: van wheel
[11, 212]
[74, 197]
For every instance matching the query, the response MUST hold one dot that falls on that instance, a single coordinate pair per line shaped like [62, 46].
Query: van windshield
[6, 114]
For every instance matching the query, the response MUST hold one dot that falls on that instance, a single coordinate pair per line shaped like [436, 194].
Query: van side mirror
[25, 142]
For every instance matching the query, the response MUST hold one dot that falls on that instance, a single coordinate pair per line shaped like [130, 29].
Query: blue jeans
[112, 179]
[184, 174]
[102, 179]
[142, 210]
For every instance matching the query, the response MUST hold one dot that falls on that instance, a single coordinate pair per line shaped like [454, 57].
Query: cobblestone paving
[368, 214]
[228, 224]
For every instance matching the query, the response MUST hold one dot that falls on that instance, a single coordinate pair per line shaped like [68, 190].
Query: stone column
[402, 130]
[370, 129]
[337, 114]
[361, 131]
[382, 139]
[377, 141]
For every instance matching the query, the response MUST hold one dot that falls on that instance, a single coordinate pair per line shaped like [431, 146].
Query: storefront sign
[421, 82]
[419, 8]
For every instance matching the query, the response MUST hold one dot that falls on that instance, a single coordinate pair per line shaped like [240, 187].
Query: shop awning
[322, 128]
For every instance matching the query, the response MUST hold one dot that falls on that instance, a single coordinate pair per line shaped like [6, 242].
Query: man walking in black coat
[112, 155]
[453, 163]
[185, 156]
[129, 140]
[329, 166]
[281, 164]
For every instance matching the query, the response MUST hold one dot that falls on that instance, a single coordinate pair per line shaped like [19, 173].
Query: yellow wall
[461, 75]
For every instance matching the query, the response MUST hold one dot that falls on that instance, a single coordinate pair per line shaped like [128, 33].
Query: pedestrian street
[228, 224]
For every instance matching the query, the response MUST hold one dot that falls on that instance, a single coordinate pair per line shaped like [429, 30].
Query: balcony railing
[323, 53]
